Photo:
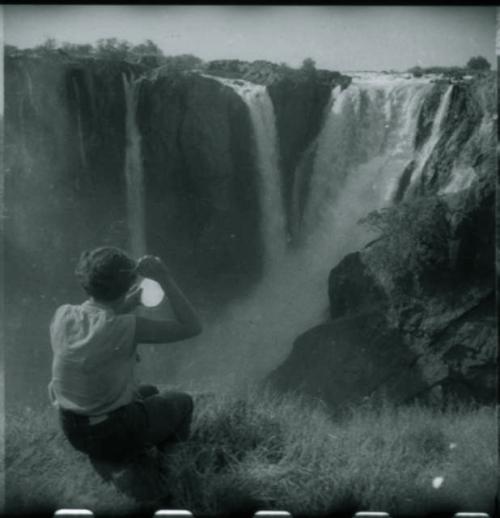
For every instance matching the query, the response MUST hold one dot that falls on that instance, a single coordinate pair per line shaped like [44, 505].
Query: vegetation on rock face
[264, 452]
[478, 63]
[150, 55]
[474, 65]
[413, 239]
[308, 66]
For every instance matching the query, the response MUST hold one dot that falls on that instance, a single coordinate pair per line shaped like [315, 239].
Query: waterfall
[273, 217]
[366, 141]
[29, 83]
[435, 135]
[134, 170]
[81, 142]
[355, 165]
[365, 144]
[273, 221]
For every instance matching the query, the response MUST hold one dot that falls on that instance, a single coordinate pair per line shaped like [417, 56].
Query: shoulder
[62, 324]
[62, 313]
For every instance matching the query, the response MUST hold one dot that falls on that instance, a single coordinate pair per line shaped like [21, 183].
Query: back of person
[103, 411]
[94, 358]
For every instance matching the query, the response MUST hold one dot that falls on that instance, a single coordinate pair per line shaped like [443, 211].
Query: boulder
[428, 335]
[350, 360]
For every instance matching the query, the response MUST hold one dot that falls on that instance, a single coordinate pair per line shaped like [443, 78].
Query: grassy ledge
[265, 451]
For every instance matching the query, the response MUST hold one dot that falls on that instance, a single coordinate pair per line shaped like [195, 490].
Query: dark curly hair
[106, 273]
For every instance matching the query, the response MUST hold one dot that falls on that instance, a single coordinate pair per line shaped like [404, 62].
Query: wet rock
[429, 335]
[350, 360]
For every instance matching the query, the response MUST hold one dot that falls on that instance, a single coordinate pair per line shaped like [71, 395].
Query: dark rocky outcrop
[464, 143]
[299, 98]
[268, 73]
[299, 107]
[428, 332]
[200, 174]
[351, 360]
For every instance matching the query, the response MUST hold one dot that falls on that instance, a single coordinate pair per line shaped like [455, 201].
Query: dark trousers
[154, 418]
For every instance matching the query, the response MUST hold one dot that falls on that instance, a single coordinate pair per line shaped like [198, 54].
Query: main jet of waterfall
[81, 142]
[435, 135]
[273, 221]
[365, 144]
[134, 170]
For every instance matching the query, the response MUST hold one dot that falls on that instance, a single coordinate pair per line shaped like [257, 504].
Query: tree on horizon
[478, 63]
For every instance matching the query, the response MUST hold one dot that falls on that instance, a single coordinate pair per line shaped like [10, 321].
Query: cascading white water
[435, 135]
[273, 216]
[365, 144]
[134, 170]
[263, 121]
[81, 142]
[29, 84]
[255, 332]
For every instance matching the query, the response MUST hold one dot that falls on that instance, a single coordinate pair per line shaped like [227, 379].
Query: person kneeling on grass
[103, 411]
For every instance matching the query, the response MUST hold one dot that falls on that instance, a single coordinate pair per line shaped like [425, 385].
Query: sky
[498, 31]
[336, 37]
[1, 65]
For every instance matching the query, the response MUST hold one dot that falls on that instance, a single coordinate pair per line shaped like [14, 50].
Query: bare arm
[187, 323]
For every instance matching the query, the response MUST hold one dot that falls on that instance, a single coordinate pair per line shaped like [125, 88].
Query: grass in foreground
[270, 452]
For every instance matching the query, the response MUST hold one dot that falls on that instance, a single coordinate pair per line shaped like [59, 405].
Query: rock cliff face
[200, 174]
[66, 143]
[399, 333]
[424, 292]
[299, 100]
[461, 143]
[64, 192]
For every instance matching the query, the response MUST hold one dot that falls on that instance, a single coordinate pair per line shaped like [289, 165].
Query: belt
[96, 419]
[87, 419]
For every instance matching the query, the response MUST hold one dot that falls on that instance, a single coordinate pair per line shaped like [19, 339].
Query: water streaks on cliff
[216, 191]
[273, 220]
[431, 143]
[133, 169]
[366, 142]
[354, 166]
[81, 141]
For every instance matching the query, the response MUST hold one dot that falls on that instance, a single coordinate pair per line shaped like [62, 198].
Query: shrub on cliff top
[478, 63]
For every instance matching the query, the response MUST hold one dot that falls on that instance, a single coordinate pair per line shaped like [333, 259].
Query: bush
[414, 238]
[308, 68]
[416, 71]
[478, 63]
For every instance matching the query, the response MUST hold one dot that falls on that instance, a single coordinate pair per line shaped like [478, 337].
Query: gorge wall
[412, 314]
[78, 130]
[68, 152]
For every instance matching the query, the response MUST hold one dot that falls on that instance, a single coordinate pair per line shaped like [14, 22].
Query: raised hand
[152, 267]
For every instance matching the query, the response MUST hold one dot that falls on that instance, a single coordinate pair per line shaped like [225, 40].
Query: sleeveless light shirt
[94, 358]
